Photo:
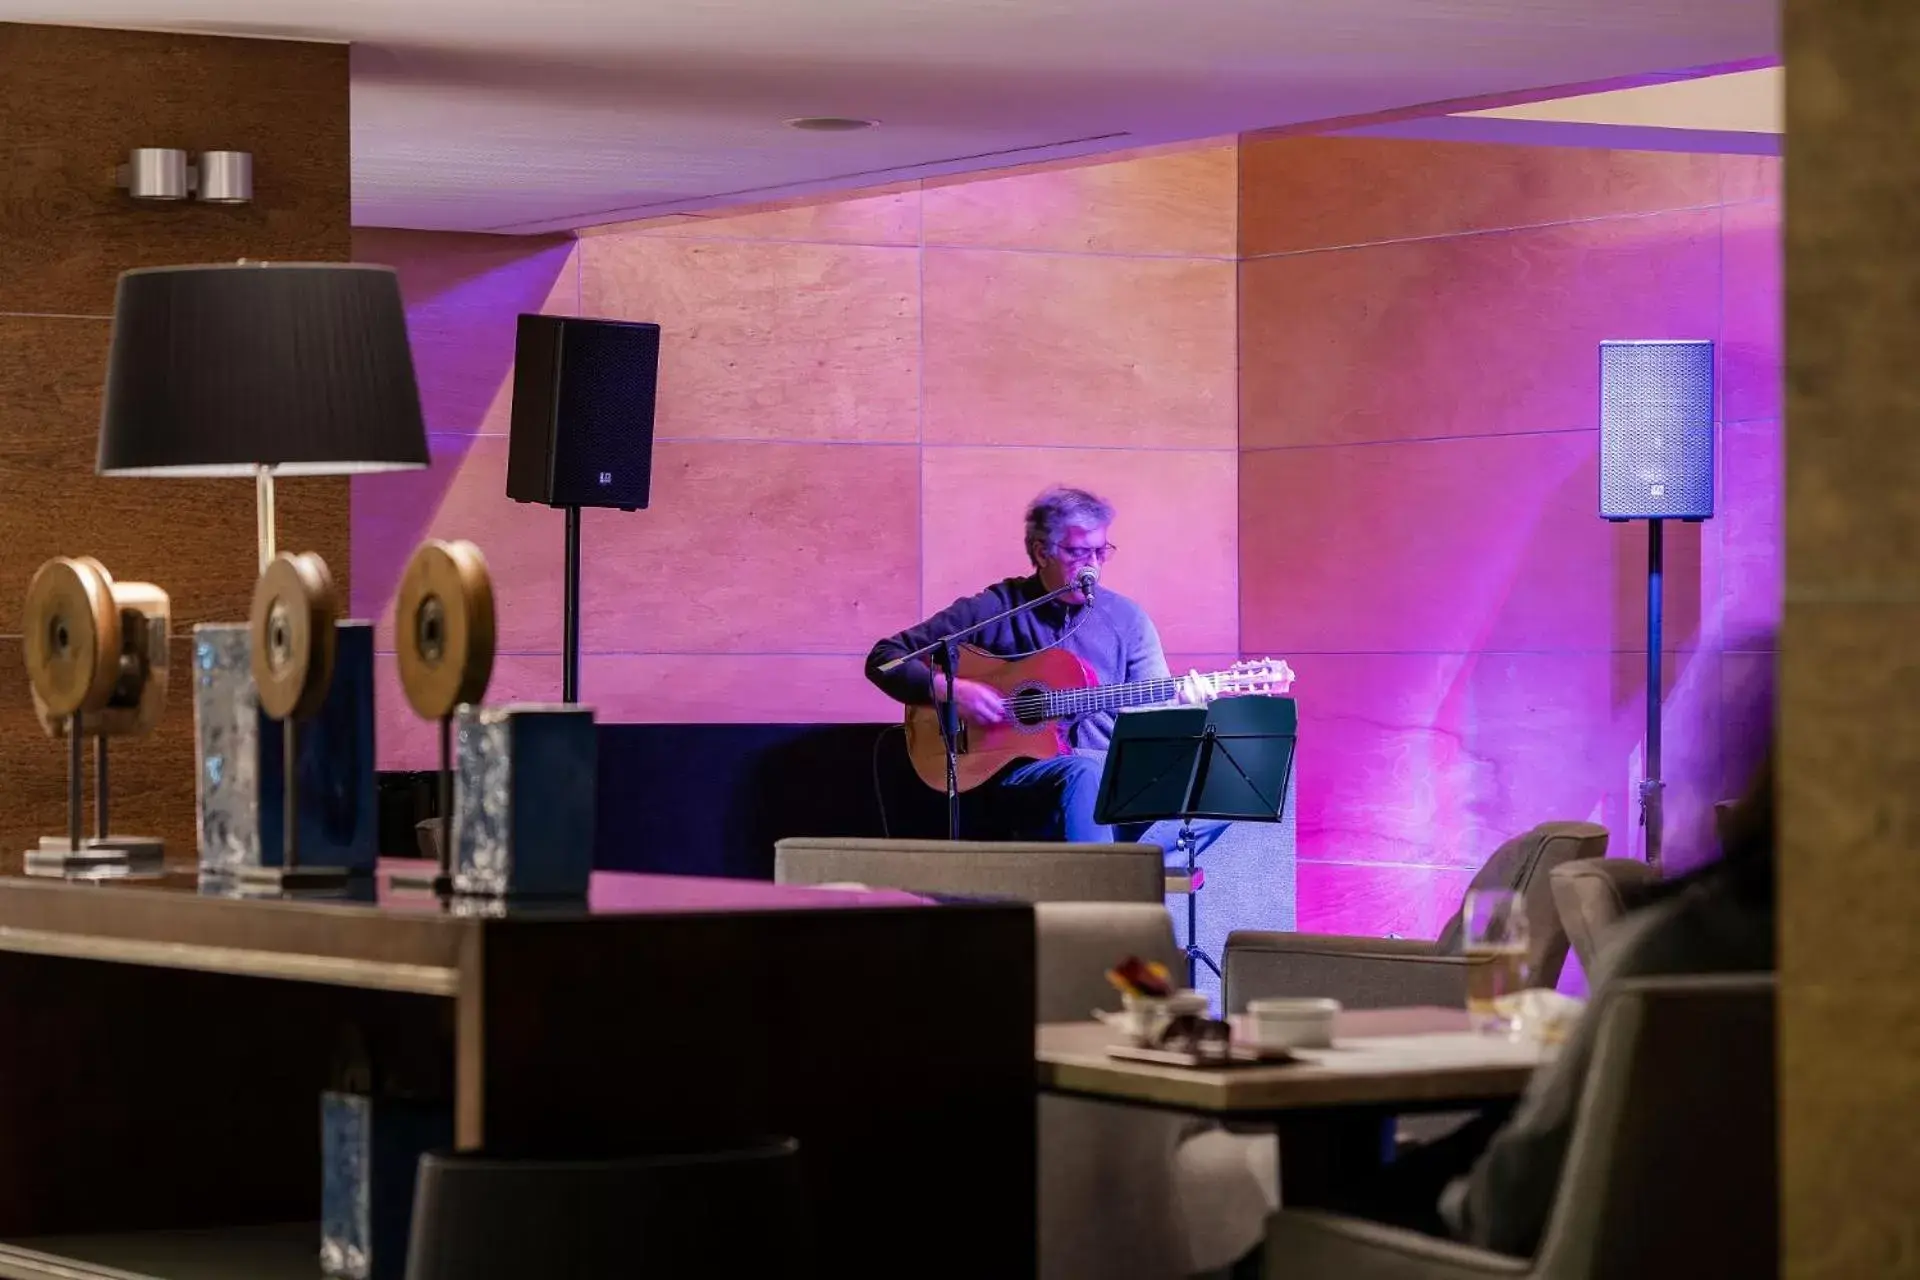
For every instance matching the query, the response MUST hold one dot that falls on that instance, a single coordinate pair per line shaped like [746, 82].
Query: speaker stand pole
[1651, 818]
[570, 614]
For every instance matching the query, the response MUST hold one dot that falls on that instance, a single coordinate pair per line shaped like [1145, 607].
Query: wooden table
[1334, 1113]
[163, 1047]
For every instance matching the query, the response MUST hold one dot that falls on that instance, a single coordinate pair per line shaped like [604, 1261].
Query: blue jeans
[1054, 800]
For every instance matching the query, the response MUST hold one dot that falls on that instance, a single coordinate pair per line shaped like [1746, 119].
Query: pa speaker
[1656, 430]
[583, 393]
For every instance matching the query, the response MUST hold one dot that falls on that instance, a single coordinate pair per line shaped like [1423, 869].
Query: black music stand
[1230, 761]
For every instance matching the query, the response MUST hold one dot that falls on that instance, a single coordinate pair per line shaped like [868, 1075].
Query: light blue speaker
[1656, 430]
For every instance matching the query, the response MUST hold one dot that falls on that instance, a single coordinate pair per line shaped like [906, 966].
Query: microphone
[1087, 579]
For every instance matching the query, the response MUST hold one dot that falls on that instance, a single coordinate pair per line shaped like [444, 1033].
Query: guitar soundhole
[1028, 705]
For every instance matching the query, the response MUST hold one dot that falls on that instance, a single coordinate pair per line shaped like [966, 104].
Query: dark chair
[1672, 1171]
[731, 1212]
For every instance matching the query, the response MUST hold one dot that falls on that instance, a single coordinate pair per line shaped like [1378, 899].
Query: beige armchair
[1590, 895]
[1671, 1172]
[1373, 973]
[1031, 872]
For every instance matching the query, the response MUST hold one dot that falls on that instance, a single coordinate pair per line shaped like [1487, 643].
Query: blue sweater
[1113, 636]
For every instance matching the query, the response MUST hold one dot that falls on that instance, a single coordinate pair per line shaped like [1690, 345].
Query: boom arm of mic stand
[953, 638]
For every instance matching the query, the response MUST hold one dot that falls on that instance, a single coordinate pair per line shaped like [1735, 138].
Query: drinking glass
[1494, 929]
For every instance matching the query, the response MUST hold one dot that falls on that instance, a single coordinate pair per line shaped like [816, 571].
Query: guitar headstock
[1270, 676]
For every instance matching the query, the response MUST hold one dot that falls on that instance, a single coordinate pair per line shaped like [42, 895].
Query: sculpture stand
[76, 853]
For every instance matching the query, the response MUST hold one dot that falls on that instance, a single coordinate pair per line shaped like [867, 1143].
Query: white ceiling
[527, 115]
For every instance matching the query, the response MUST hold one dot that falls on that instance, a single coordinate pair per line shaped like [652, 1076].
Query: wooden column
[1850, 649]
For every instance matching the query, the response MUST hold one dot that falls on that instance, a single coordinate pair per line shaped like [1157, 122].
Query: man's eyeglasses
[1081, 555]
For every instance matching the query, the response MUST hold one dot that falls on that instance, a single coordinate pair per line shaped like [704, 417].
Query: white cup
[1282, 1023]
[1144, 1018]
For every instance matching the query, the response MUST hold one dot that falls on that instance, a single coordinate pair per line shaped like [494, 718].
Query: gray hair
[1059, 509]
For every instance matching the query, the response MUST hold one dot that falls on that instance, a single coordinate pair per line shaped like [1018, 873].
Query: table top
[374, 934]
[1409, 1057]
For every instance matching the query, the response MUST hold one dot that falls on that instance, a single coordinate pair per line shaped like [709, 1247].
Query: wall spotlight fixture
[156, 173]
[162, 173]
[226, 177]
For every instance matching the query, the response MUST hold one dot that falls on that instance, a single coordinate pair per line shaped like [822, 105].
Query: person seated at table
[1492, 1183]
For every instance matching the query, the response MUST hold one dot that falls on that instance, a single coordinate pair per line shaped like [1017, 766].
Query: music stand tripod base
[1230, 761]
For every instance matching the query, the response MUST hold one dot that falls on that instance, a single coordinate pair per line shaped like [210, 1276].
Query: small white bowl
[1282, 1023]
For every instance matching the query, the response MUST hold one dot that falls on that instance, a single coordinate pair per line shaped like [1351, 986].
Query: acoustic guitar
[1041, 691]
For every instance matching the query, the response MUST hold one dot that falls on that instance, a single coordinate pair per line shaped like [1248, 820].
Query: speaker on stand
[582, 433]
[1656, 464]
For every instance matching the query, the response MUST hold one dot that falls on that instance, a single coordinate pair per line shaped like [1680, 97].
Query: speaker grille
[603, 451]
[1656, 430]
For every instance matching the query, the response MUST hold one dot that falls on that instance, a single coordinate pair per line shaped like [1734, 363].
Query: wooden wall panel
[882, 216]
[1177, 203]
[1319, 193]
[1054, 349]
[1419, 531]
[769, 341]
[1465, 335]
[756, 548]
[464, 296]
[72, 103]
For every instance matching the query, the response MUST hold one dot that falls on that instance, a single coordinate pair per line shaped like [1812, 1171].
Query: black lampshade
[219, 370]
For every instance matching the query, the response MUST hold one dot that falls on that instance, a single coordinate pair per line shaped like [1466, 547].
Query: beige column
[1850, 652]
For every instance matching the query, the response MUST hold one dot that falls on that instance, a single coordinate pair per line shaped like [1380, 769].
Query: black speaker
[583, 393]
[1656, 430]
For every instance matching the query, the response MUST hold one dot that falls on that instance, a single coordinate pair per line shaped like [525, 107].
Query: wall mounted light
[226, 177]
[162, 173]
[156, 173]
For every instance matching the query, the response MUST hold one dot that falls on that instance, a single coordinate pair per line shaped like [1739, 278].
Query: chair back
[731, 1212]
[1590, 895]
[1525, 865]
[1026, 872]
[1673, 1169]
[1075, 943]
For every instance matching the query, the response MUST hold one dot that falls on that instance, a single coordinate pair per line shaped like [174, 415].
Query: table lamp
[261, 370]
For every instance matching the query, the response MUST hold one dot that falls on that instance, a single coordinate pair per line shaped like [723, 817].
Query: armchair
[1671, 1172]
[1592, 894]
[1374, 973]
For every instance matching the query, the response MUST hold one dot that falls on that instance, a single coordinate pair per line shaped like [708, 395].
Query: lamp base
[55, 855]
[291, 879]
[434, 882]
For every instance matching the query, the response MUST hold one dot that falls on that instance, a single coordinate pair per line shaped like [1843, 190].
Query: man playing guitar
[1050, 798]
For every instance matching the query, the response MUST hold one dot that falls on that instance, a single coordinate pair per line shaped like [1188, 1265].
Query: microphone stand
[945, 658]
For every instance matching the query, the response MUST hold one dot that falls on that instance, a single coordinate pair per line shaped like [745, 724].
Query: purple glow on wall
[1472, 659]
[1415, 464]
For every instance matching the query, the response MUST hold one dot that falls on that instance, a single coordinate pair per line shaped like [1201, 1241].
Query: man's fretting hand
[977, 703]
[1195, 690]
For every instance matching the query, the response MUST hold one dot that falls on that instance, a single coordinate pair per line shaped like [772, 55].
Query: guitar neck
[1062, 704]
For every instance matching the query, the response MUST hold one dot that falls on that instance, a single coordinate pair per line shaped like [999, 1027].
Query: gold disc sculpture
[72, 639]
[444, 631]
[443, 628]
[295, 608]
[96, 655]
[292, 645]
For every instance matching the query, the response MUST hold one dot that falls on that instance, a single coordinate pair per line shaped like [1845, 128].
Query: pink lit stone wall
[857, 397]
[1418, 479]
[1343, 391]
